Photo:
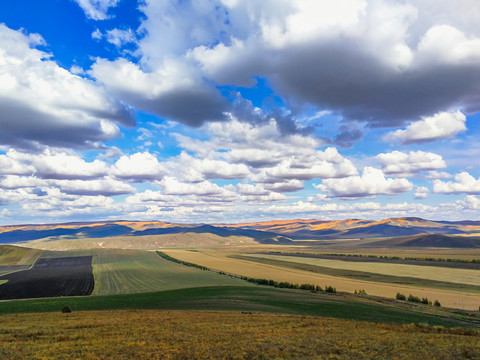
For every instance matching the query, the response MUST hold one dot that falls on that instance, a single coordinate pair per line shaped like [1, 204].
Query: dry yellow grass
[140, 242]
[222, 335]
[218, 259]
[460, 276]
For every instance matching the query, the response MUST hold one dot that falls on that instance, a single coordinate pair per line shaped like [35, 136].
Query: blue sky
[234, 111]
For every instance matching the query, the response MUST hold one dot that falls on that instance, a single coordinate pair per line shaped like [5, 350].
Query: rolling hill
[269, 232]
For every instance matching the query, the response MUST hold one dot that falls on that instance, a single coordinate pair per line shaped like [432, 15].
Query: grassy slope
[222, 335]
[237, 298]
[14, 255]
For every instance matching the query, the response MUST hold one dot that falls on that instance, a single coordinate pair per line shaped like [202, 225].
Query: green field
[119, 271]
[246, 298]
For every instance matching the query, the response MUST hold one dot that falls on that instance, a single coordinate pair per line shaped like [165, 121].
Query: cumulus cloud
[406, 164]
[139, 167]
[368, 60]
[44, 104]
[51, 164]
[439, 126]
[464, 183]
[372, 182]
[97, 9]
[421, 192]
[104, 187]
[173, 90]
[194, 169]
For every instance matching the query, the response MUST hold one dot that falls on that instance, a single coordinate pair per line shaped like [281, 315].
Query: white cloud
[97, 9]
[45, 104]
[371, 183]
[438, 175]
[439, 126]
[139, 167]
[171, 186]
[193, 169]
[421, 192]
[52, 164]
[97, 34]
[464, 183]
[326, 164]
[120, 37]
[470, 202]
[405, 164]
[104, 187]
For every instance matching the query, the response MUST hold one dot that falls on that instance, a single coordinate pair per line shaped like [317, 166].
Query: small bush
[414, 298]
[401, 297]
[361, 292]
[437, 303]
[425, 301]
[66, 309]
[330, 289]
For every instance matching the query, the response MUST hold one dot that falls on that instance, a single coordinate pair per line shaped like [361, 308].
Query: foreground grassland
[223, 259]
[257, 299]
[223, 335]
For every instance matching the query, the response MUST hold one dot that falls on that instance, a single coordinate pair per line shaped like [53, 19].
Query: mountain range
[411, 231]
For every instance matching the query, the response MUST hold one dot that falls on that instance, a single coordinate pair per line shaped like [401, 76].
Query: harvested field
[220, 260]
[459, 264]
[67, 276]
[223, 335]
[460, 276]
[363, 275]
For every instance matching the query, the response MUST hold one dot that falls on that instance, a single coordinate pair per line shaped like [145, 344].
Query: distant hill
[267, 232]
[431, 240]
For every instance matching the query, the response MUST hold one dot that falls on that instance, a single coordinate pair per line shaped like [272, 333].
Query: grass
[130, 271]
[222, 335]
[296, 263]
[238, 298]
[15, 255]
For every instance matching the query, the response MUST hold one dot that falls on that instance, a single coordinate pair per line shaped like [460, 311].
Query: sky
[223, 111]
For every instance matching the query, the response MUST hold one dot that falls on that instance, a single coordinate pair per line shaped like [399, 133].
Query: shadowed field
[223, 335]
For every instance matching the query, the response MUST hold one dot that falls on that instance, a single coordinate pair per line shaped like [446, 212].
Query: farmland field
[221, 259]
[134, 271]
[460, 276]
[67, 276]
[223, 335]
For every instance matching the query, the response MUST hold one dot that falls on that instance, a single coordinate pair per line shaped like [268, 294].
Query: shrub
[414, 298]
[66, 309]
[437, 303]
[425, 301]
[401, 297]
[330, 289]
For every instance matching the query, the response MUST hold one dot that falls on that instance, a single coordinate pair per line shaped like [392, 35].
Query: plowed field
[67, 276]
